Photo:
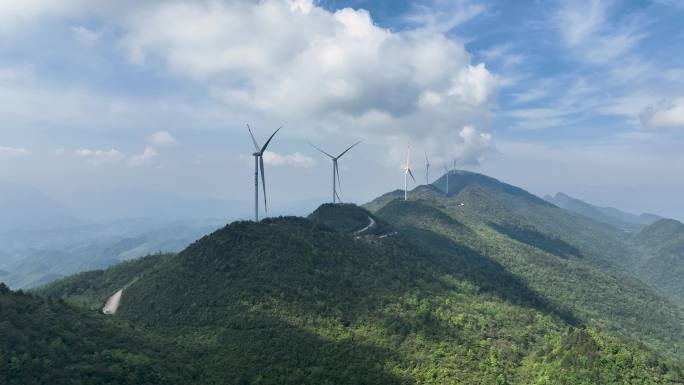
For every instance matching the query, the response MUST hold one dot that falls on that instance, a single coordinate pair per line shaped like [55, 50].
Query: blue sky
[126, 99]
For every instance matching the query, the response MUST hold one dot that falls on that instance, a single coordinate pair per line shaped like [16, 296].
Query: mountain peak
[459, 180]
[344, 217]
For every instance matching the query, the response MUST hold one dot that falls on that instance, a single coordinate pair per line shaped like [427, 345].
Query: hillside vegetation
[291, 300]
[49, 342]
[90, 289]
[661, 247]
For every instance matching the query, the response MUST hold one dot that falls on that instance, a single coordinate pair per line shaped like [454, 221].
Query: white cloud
[13, 152]
[316, 69]
[666, 114]
[503, 54]
[98, 157]
[162, 138]
[474, 145]
[441, 16]
[475, 85]
[24, 13]
[295, 160]
[85, 35]
[586, 29]
[141, 159]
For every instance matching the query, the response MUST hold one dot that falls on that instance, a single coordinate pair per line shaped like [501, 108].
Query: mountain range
[609, 215]
[485, 283]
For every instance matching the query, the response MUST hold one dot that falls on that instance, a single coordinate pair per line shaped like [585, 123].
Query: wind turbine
[427, 169]
[407, 172]
[336, 171]
[259, 165]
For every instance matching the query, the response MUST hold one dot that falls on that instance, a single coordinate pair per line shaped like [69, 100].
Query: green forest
[486, 285]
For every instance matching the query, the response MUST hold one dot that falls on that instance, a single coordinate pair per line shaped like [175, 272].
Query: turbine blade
[256, 145]
[350, 147]
[331, 157]
[426, 158]
[338, 197]
[410, 173]
[269, 139]
[263, 180]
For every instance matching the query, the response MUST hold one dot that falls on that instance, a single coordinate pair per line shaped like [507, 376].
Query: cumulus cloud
[145, 157]
[98, 157]
[13, 152]
[666, 114]
[294, 62]
[313, 68]
[162, 138]
[473, 145]
[295, 160]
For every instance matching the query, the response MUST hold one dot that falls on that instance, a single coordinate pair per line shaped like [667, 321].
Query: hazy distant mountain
[38, 257]
[609, 215]
[23, 207]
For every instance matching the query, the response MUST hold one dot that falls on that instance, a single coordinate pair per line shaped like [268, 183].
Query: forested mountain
[465, 288]
[49, 342]
[655, 246]
[609, 215]
[661, 247]
[571, 260]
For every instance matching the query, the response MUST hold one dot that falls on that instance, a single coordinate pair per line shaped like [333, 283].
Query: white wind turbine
[336, 171]
[427, 168]
[259, 165]
[407, 172]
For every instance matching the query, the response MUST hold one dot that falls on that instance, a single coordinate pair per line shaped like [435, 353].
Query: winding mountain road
[371, 224]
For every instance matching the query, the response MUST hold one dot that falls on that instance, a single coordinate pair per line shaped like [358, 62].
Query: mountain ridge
[609, 215]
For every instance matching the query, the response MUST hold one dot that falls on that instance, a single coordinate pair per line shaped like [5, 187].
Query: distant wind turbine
[259, 165]
[407, 172]
[336, 171]
[427, 168]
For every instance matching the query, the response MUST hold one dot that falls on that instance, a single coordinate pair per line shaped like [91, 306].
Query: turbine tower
[407, 172]
[259, 165]
[427, 169]
[336, 171]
